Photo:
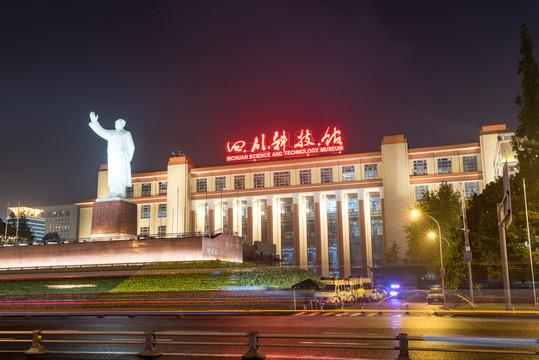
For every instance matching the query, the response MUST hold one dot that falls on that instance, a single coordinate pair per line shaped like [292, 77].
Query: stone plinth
[114, 218]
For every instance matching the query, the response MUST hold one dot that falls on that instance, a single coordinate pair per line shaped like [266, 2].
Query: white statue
[120, 152]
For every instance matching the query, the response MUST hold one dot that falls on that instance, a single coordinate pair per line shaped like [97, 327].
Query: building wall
[63, 219]
[356, 217]
[223, 247]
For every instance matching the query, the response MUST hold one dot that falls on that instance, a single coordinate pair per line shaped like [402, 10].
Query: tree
[24, 233]
[52, 236]
[526, 147]
[526, 139]
[444, 206]
[10, 229]
[391, 257]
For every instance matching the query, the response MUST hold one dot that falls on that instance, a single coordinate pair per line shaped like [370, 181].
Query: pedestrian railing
[149, 341]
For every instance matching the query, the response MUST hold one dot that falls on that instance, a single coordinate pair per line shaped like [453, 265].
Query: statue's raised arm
[97, 128]
[120, 152]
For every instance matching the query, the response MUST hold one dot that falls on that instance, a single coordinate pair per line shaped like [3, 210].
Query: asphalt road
[489, 330]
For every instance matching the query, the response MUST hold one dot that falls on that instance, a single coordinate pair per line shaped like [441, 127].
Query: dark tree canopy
[526, 139]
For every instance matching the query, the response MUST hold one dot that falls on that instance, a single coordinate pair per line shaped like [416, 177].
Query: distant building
[33, 218]
[63, 219]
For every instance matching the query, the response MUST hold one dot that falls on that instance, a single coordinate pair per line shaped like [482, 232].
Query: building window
[258, 180]
[220, 183]
[420, 167]
[201, 185]
[239, 182]
[348, 173]
[371, 171]
[145, 230]
[163, 188]
[162, 211]
[145, 212]
[469, 163]
[333, 243]
[471, 188]
[377, 229]
[129, 191]
[287, 232]
[326, 175]
[161, 231]
[146, 189]
[420, 191]
[281, 178]
[354, 232]
[310, 228]
[444, 166]
[305, 177]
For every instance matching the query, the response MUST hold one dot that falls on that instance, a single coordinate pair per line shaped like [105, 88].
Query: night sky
[191, 75]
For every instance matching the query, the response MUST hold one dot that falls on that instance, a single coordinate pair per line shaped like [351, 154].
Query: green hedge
[261, 278]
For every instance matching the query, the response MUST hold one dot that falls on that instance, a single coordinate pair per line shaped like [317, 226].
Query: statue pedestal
[114, 219]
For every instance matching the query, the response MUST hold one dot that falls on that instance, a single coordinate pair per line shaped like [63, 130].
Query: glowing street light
[417, 214]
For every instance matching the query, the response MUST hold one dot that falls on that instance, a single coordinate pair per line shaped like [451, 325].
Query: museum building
[333, 213]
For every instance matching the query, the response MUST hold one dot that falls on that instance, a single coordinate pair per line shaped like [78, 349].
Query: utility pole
[529, 243]
[504, 220]
[467, 249]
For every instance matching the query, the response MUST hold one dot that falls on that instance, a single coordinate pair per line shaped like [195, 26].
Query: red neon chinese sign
[281, 145]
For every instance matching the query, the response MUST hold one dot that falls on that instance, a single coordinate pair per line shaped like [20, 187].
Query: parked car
[379, 294]
[395, 291]
[436, 294]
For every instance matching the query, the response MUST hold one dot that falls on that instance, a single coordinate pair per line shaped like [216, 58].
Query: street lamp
[432, 235]
[417, 214]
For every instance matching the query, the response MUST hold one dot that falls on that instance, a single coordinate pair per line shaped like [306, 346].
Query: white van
[360, 289]
[334, 293]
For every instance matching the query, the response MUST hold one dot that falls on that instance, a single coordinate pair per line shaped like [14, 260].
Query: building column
[346, 236]
[363, 233]
[318, 234]
[269, 200]
[231, 227]
[192, 225]
[340, 237]
[297, 249]
[211, 216]
[250, 222]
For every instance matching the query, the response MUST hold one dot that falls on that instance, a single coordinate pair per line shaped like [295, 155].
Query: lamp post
[417, 214]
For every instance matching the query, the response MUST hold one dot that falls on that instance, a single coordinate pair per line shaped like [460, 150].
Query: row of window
[145, 211]
[61, 213]
[161, 231]
[146, 189]
[445, 165]
[282, 178]
[470, 188]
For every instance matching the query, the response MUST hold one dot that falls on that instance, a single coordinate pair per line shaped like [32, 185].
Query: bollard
[37, 345]
[253, 352]
[362, 310]
[380, 310]
[471, 307]
[321, 307]
[407, 310]
[149, 346]
[342, 307]
[403, 347]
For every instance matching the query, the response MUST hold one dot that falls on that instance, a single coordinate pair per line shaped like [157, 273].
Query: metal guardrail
[149, 340]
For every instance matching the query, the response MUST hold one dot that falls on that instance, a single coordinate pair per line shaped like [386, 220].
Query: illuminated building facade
[33, 217]
[334, 213]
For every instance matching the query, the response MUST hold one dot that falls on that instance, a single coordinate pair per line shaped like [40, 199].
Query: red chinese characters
[304, 139]
[284, 146]
[334, 138]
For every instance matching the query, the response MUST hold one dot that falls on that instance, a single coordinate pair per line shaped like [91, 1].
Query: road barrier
[149, 340]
